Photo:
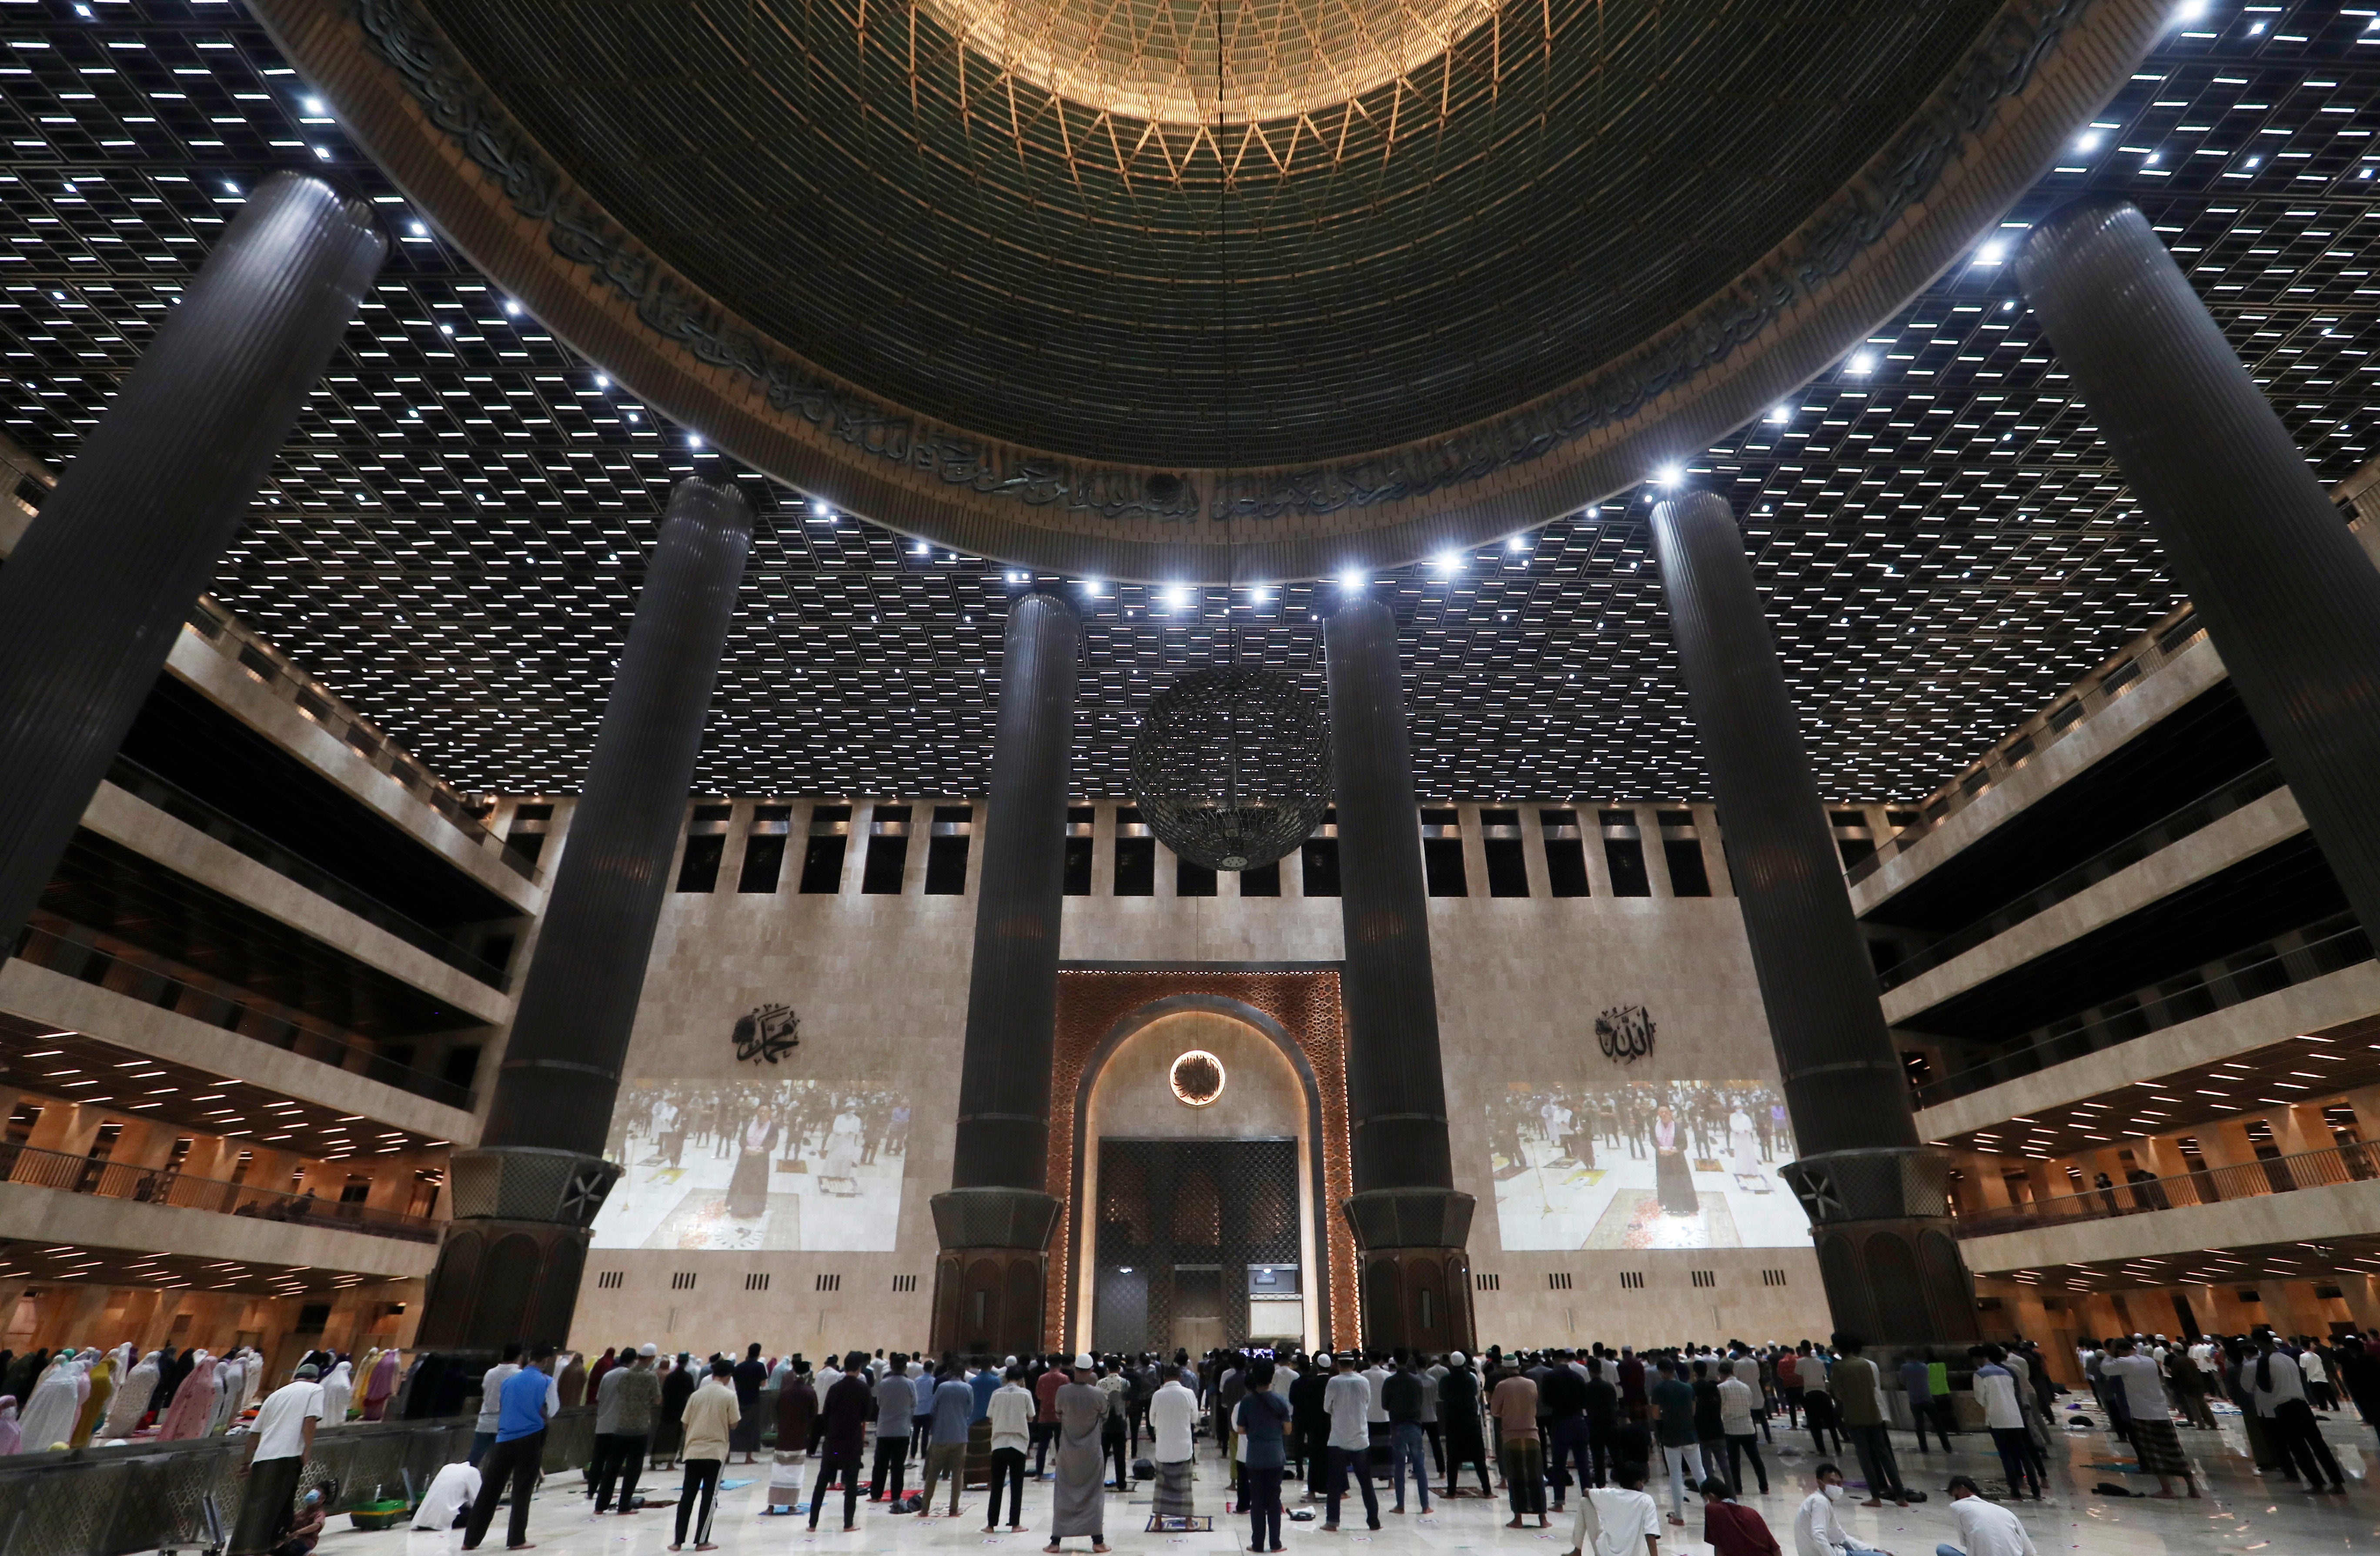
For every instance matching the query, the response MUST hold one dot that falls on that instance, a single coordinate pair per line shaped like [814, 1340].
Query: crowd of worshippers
[1620, 1428]
[81, 1397]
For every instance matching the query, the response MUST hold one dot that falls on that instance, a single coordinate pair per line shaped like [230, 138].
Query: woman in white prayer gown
[131, 1400]
[49, 1415]
[337, 1390]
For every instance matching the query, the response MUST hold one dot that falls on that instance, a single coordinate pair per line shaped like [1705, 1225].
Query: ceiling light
[1990, 253]
[1176, 598]
[694, 440]
[1860, 365]
[1447, 561]
[1518, 543]
[1353, 579]
[1778, 416]
[2087, 142]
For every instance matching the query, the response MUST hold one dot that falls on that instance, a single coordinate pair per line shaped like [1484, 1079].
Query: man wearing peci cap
[1077, 1503]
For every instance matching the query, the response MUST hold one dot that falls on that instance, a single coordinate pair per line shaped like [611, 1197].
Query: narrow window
[822, 861]
[1623, 851]
[1136, 855]
[698, 872]
[1441, 854]
[1261, 881]
[946, 850]
[887, 850]
[1078, 850]
[1565, 854]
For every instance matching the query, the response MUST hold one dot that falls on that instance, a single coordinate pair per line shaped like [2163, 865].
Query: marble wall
[879, 983]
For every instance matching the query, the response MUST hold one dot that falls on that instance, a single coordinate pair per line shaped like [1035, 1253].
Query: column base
[1887, 1247]
[510, 1267]
[991, 1278]
[1414, 1285]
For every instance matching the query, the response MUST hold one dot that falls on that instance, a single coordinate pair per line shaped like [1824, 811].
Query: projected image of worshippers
[1643, 1164]
[761, 1164]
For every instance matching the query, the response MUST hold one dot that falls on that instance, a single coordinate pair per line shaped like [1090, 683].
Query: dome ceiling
[1165, 289]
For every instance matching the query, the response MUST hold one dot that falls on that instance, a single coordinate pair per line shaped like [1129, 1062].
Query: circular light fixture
[1231, 766]
[1196, 1078]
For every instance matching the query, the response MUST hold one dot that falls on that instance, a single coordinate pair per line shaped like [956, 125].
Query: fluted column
[1878, 1198]
[526, 1197]
[1410, 1222]
[103, 579]
[2287, 595]
[995, 1221]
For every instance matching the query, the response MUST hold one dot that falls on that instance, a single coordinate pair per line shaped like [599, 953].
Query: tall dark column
[1877, 1198]
[92, 597]
[1409, 1221]
[524, 1200]
[995, 1223]
[2287, 596]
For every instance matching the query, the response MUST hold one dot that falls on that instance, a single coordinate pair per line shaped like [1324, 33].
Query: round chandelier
[1231, 766]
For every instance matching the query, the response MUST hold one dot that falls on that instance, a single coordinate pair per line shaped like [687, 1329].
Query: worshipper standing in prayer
[798, 1404]
[712, 1413]
[624, 1405]
[1859, 1398]
[678, 1387]
[1672, 1399]
[1172, 1411]
[2155, 1442]
[284, 1435]
[897, 1399]
[1402, 1394]
[1735, 1397]
[1815, 1371]
[1311, 1424]
[1260, 1422]
[1077, 1504]
[1620, 1519]
[953, 1409]
[1045, 1421]
[1010, 1412]
[526, 1401]
[843, 1428]
[752, 1414]
[1457, 1412]
[1115, 1431]
[12, 1436]
[2280, 1393]
[1996, 1391]
[492, 1400]
[1984, 1528]
[1513, 1407]
[1348, 1401]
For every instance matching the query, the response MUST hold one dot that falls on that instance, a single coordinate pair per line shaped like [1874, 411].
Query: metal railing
[2145, 1194]
[165, 1186]
[151, 1496]
[2168, 1004]
[2196, 816]
[2126, 673]
[250, 1016]
[192, 811]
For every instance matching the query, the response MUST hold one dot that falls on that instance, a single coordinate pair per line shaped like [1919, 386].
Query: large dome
[1115, 285]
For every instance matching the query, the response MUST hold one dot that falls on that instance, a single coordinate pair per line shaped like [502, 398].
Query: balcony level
[2170, 733]
[2291, 1216]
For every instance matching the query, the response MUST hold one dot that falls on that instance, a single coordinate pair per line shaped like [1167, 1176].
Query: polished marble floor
[2239, 1511]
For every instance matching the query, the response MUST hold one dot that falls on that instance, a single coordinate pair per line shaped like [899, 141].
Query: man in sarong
[1172, 1411]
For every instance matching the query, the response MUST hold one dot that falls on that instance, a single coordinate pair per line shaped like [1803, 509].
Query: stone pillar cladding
[2287, 595]
[995, 1220]
[1410, 1222]
[524, 1198]
[91, 600]
[1877, 1199]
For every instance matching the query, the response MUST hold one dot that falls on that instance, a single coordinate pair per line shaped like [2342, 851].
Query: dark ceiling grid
[453, 539]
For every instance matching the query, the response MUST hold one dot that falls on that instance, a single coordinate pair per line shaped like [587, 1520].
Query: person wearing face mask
[306, 1531]
[1817, 1529]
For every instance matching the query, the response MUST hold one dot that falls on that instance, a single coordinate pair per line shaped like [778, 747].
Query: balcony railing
[192, 811]
[2199, 814]
[163, 1186]
[2145, 1194]
[2169, 1004]
[235, 1011]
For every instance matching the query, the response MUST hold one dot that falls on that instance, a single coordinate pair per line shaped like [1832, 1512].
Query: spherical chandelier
[1231, 766]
